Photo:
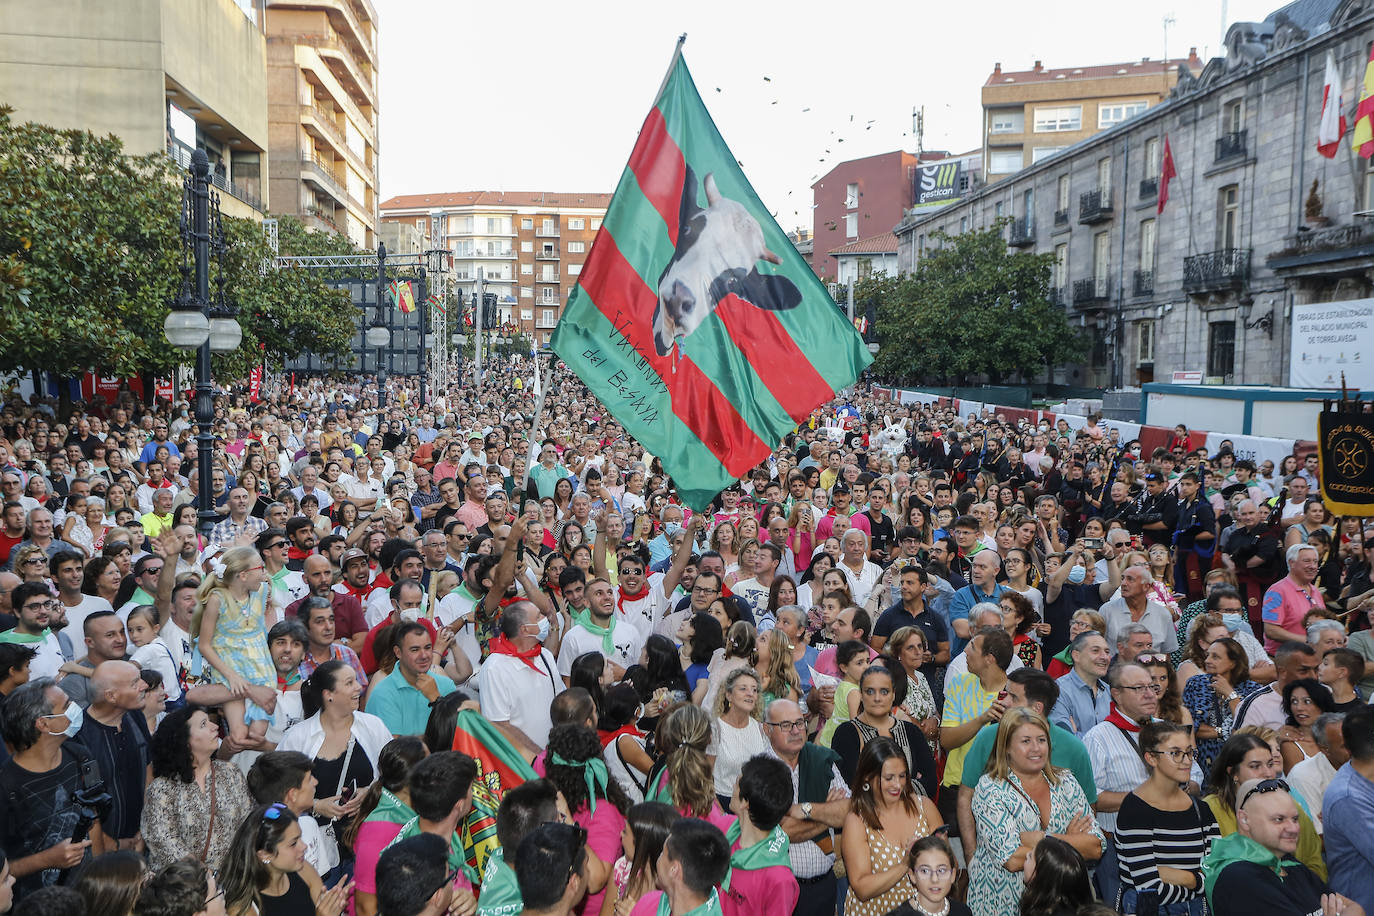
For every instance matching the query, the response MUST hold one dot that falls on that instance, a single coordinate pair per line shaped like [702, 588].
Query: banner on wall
[1331, 338]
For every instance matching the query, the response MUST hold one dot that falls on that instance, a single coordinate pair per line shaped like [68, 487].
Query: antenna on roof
[918, 127]
[1168, 21]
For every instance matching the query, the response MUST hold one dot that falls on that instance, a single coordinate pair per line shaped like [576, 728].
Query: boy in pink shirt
[694, 861]
[760, 880]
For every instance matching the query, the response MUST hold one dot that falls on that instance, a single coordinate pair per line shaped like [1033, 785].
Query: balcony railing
[1061, 295]
[496, 253]
[1022, 233]
[1061, 218]
[1149, 189]
[547, 254]
[1144, 282]
[1339, 239]
[544, 324]
[181, 155]
[546, 233]
[1095, 206]
[325, 219]
[547, 278]
[1215, 271]
[1231, 145]
[1091, 292]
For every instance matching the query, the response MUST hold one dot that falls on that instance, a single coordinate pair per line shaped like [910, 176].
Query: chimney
[1192, 55]
[1038, 67]
[997, 68]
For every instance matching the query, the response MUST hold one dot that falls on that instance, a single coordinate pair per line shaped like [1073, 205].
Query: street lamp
[195, 323]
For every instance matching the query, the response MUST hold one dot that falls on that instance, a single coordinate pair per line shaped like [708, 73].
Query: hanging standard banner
[1345, 448]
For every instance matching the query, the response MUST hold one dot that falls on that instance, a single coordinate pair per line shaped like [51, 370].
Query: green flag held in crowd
[694, 320]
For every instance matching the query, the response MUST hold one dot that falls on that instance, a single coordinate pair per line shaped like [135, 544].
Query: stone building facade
[1209, 284]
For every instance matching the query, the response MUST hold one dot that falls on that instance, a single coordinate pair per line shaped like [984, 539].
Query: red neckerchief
[359, 593]
[608, 738]
[382, 581]
[622, 597]
[296, 553]
[1116, 718]
[503, 646]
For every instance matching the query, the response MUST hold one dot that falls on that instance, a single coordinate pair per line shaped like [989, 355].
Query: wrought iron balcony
[1149, 188]
[1216, 271]
[1095, 207]
[1231, 145]
[1061, 296]
[1144, 282]
[1022, 233]
[1092, 292]
[1061, 218]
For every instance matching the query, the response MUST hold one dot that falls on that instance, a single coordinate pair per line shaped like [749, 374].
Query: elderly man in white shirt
[1134, 605]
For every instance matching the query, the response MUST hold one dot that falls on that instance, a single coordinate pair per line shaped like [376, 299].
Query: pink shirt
[647, 905]
[1285, 604]
[603, 839]
[373, 836]
[825, 662]
[760, 892]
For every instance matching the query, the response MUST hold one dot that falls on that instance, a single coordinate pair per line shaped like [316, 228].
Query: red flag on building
[1331, 125]
[1166, 171]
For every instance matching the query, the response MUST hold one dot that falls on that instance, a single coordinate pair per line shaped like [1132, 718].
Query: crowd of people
[995, 668]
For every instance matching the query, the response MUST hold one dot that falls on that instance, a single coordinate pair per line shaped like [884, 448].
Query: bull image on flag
[694, 320]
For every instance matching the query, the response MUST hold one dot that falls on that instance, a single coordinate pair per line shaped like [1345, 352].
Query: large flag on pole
[1331, 127]
[1166, 171]
[1362, 137]
[694, 320]
[500, 768]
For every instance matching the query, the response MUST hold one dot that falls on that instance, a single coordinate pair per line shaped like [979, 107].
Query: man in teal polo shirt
[402, 699]
[1036, 690]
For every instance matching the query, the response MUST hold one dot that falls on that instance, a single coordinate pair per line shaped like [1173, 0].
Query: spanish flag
[405, 296]
[1362, 137]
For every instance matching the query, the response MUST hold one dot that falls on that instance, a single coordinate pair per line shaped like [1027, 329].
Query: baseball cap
[351, 554]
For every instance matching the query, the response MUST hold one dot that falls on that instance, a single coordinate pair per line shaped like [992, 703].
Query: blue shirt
[402, 708]
[1347, 812]
[959, 606]
[1077, 710]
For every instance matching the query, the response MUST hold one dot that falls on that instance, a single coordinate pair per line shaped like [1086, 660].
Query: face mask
[671, 528]
[1077, 575]
[75, 716]
[543, 633]
[1135, 453]
[410, 614]
[1233, 621]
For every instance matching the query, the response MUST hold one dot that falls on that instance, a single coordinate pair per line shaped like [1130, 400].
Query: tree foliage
[90, 263]
[970, 308]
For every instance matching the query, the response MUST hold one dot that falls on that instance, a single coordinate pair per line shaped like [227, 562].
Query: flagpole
[677, 53]
[534, 426]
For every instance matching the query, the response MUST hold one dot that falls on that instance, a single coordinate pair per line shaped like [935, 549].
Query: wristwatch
[806, 810]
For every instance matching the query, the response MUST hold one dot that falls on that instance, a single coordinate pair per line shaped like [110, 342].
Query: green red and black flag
[694, 320]
[500, 768]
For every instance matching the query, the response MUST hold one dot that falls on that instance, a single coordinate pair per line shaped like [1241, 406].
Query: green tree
[970, 308]
[90, 262]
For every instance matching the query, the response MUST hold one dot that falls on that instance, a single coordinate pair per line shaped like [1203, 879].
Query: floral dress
[241, 642]
[1208, 709]
[882, 855]
[1003, 810]
[920, 705]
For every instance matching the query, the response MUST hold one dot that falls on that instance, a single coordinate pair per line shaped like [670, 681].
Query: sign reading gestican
[1329, 338]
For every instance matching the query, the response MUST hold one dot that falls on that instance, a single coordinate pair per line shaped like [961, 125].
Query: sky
[543, 96]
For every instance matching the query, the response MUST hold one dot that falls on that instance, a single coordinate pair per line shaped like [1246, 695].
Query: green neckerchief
[771, 850]
[663, 792]
[1064, 657]
[1237, 847]
[500, 891]
[14, 636]
[391, 810]
[584, 620]
[593, 771]
[457, 857]
[710, 908]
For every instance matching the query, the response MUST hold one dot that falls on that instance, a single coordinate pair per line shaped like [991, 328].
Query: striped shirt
[1117, 765]
[1147, 838]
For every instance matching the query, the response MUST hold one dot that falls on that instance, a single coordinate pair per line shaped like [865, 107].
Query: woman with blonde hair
[1021, 798]
[230, 628]
[777, 673]
[736, 730]
[725, 541]
[740, 651]
[685, 780]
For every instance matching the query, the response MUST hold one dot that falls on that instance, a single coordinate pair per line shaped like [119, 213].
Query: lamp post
[197, 323]
[379, 336]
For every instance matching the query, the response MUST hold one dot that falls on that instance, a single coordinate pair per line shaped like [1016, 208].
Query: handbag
[327, 829]
[210, 830]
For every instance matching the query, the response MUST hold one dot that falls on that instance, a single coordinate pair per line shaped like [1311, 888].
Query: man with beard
[1253, 552]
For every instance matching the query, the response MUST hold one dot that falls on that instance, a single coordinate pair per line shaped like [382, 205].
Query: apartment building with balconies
[529, 246]
[322, 111]
[1029, 115]
[1209, 285]
[162, 75]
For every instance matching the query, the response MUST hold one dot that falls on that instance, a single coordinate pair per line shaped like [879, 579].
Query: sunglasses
[1268, 785]
[1150, 659]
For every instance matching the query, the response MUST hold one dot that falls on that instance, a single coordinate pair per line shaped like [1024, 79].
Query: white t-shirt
[514, 692]
[455, 605]
[732, 747]
[320, 851]
[628, 638]
[76, 616]
[157, 656]
[646, 612]
[755, 593]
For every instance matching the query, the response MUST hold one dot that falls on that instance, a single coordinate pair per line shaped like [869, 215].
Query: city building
[530, 246]
[1208, 286]
[860, 260]
[1029, 115]
[162, 75]
[322, 114]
